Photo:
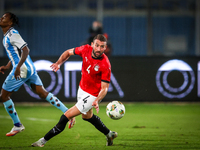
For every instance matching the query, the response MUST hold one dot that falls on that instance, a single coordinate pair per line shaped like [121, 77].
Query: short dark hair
[13, 18]
[100, 37]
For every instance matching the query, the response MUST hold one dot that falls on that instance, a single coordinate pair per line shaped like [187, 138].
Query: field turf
[145, 126]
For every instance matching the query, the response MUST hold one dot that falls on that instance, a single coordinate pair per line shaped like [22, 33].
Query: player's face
[98, 48]
[5, 20]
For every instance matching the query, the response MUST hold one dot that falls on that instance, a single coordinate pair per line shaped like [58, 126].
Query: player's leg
[35, 83]
[84, 105]
[38, 89]
[99, 125]
[10, 108]
[59, 127]
[8, 87]
[95, 121]
[53, 100]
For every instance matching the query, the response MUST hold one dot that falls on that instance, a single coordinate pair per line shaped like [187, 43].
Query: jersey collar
[97, 58]
[8, 31]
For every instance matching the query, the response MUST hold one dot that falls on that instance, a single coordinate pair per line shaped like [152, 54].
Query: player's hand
[55, 67]
[96, 106]
[3, 69]
[17, 73]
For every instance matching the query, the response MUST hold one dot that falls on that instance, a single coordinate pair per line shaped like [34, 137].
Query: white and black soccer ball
[115, 110]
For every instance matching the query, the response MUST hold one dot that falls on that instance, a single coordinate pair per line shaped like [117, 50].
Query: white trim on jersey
[31, 66]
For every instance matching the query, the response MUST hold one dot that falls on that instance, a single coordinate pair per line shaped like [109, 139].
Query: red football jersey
[94, 70]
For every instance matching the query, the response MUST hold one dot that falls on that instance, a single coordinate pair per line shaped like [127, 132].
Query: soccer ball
[115, 110]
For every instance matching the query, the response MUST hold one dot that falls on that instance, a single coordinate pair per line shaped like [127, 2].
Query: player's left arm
[24, 54]
[102, 94]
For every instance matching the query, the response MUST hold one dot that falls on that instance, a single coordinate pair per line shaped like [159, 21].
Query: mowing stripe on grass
[37, 119]
[32, 119]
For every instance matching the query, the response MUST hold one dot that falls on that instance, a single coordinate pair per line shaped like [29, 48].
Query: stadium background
[144, 34]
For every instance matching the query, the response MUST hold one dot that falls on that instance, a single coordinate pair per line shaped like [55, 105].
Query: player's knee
[42, 94]
[40, 91]
[88, 115]
[86, 118]
[4, 98]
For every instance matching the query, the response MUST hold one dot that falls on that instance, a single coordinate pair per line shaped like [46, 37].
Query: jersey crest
[96, 68]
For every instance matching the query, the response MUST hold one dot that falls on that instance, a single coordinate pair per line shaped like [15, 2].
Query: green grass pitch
[145, 126]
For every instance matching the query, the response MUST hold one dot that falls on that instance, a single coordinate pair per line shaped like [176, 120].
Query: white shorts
[84, 101]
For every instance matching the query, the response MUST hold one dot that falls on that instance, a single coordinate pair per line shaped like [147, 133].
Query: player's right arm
[4, 68]
[65, 56]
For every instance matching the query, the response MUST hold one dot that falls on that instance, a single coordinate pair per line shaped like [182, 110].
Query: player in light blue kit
[23, 71]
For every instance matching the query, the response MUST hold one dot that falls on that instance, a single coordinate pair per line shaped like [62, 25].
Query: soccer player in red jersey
[93, 87]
